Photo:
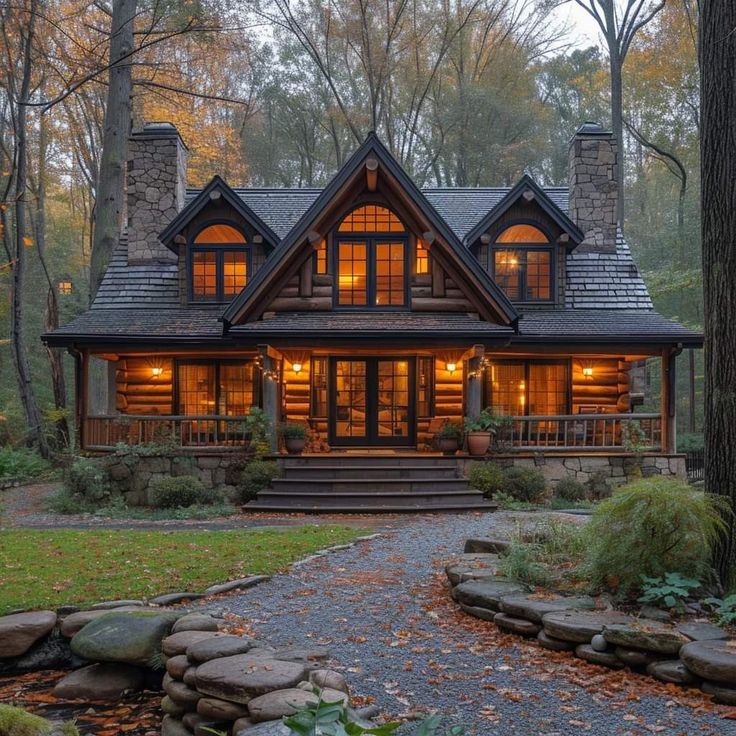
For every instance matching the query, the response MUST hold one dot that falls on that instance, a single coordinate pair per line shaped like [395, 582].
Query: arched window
[523, 263]
[371, 258]
[219, 263]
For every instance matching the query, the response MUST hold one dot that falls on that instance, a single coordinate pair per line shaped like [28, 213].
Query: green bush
[524, 484]
[570, 489]
[21, 464]
[690, 442]
[88, 481]
[256, 477]
[649, 528]
[181, 492]
[486, 477]
[599, 485]
[18, 722]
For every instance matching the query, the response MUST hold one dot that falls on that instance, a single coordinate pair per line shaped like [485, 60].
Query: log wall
[137, 391]
[609, 388]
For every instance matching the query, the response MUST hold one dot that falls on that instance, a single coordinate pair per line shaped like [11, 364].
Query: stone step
[425, 497]
[362, 459]
[373, 507]
[338, 486]
[369, 471]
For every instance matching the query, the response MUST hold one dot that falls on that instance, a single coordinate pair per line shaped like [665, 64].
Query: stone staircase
[369, 483]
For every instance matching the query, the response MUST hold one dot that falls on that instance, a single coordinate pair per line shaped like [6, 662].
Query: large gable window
[371, 248]
[219, 263]
[523, 264]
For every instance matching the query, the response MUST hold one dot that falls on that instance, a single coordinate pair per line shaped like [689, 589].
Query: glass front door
[372, 402]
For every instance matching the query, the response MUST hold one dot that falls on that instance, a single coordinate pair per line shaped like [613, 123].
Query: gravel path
[382, 609]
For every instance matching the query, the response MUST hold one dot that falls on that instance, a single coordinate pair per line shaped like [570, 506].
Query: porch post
[474, 396]
[270, 392]
[668, 401]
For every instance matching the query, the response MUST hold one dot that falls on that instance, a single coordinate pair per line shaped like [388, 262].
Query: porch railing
[104, 432]
[584, 432]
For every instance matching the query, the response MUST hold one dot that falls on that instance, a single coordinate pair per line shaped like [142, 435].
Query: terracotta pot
[448, 445]
[295, 446]
[478, 443]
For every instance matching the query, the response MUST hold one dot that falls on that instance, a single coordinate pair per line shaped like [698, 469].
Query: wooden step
[336, 486]
[370, 508]
[375, 472]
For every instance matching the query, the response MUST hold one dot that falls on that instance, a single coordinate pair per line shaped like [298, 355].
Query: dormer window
[219, 263]
[522, 263]
[371, 259]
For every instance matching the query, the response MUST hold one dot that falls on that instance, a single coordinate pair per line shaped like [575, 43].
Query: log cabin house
[373, 311]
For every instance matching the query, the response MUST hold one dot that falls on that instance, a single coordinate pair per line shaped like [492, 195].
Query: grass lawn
[44, 569]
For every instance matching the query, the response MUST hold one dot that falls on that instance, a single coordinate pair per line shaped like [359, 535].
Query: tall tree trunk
[111, 178]
[617, 126]
[20, 355]
[717, 30]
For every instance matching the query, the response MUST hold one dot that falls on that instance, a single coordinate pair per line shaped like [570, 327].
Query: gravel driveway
[382, 609]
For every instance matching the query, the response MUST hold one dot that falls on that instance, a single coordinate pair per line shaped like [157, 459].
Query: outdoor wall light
[156, 371]
[588, 371]
[297, 367]
[451, 367]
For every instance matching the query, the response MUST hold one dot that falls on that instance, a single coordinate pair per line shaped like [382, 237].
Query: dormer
[523, 242]
[220, 243]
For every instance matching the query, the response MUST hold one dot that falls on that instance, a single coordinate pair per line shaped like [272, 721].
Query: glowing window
[66, 287]
[320, 257]
[371, 219]
[220, 262]
[522, 234]
[522, 264]
[422, 258]
[225, 234]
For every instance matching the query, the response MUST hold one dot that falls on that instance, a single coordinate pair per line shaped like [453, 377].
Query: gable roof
[526, 183]
[201, 200]
[248, 299]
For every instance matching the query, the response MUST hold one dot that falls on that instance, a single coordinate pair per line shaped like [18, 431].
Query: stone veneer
[593, 164]
[157, 168]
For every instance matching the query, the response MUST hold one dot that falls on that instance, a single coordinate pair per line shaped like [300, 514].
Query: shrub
[598, 485]
[671, 591]
[181, 492]
[21, 464]
[88, 481]
[649, 528]
[486, 477]
[450, 431]
[18, 722]
[256, 477]
[524, 484]
[570, 489]
[690, 442]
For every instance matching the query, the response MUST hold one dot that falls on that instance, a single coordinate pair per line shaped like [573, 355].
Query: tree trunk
[718, 167]
[20, 355]
[617, 126]
[109, 207]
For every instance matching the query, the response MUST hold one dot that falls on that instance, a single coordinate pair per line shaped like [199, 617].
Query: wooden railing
[104, 432]
[583, 432]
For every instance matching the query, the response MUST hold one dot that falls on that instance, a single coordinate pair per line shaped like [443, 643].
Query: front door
[372, 402]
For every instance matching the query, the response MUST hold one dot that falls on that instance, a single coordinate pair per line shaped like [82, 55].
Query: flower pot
[448, 445]
[478, 443]
[294, 445]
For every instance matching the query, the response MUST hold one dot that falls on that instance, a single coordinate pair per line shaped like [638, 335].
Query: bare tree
[717, 29]
[619, 22]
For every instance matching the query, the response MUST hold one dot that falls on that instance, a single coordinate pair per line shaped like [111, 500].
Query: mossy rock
[17, 722]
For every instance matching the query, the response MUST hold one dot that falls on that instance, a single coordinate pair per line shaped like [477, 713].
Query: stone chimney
[593, 187]
[157, 180]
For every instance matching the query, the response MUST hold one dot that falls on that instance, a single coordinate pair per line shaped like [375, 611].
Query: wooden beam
[314, 238]
[429, 237]
[305, 279]
[668, 403]
[485, 238]
[438, 279]
[371, 174]
[528, 195]
[215, 194]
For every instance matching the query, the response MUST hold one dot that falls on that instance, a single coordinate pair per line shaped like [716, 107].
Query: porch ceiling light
[451, 367]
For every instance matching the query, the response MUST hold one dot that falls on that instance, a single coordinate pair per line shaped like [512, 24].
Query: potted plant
[294, 436]
[448, 437]
[479, 431]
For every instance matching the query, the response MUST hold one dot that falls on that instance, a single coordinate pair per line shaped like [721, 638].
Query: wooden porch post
[270, 391]
[80, 396]
[668, 401]
[474, 384]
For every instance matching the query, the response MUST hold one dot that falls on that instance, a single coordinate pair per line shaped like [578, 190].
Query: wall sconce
[451, 367]
[296, 367]
[588, 371]
[156, 371]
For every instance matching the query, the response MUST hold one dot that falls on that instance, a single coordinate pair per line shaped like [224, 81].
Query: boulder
[702, 631]
[275, 705]
[486, 614]
[472, 566]
[225, 645]
[133, 637]
[240, 584]
[108, 605]
[177, 666]
[650, 636]
[181, 694]
[580, 626]
[636, 658]
[534, 606]
[179, 643]
[720, 693]
[607, 659]
[195, 622]
[220, 710]
[102, 681]
[242, 677]
[492, 546]
[329, 679]
[20, 631]
[170, 599]
[190, 677]
[520, 626]
[49, 653]
[671, 670]
[711, 660]
[486, 593]
[246, 727]
[171, 708]
[75, 622]
[171, 726]
[556, 645]
[301, 654]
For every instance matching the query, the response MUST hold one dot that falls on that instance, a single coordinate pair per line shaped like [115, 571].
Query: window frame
[524, 249]
[487, 391]
[370, 239]
[217, 363]
[430, 363]
[219, 249]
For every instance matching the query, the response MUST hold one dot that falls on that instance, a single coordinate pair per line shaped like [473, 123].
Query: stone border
[694, 654]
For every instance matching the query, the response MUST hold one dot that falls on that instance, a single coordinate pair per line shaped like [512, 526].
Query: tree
[619, 25]
[718, 171]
